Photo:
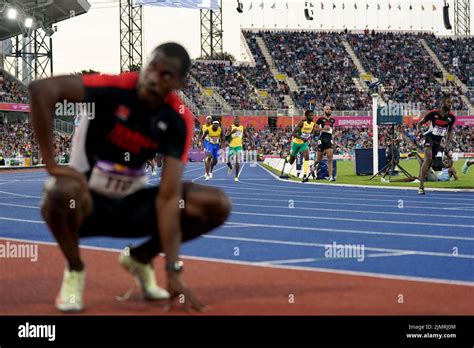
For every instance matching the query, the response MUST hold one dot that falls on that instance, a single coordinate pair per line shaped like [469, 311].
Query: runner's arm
[204, 135]
[427, 117]
[296, 130]
[168, 207]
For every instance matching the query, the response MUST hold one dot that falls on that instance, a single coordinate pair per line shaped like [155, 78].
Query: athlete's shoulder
[127, 80]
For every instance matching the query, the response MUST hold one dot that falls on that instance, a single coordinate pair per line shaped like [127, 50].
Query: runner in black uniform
[103, 193]
[325, 144]
[441, 124]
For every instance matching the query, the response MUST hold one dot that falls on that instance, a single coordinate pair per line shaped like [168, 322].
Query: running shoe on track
[421, 191]
[145, 275]
[70, 297]
[305, 178]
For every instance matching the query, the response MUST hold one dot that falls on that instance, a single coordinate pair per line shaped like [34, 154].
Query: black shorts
[324, 145]
[133, 216]
[434, 143]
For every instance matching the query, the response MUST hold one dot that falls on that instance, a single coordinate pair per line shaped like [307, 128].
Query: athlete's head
[327, 110]
[237, 120]
[208, 120]
[215, 125]
[309, 115]
[166, 71]
[446, 103]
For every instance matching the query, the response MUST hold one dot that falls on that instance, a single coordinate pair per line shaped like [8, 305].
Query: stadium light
[28, 22]
[12, 13]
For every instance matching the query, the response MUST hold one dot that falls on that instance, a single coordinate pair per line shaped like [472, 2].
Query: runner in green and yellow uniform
[301, 136]
[236, 132]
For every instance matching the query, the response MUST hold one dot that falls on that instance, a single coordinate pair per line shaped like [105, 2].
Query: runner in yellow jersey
[236, 132]
[216, 138]
[205, 141]
[301, 136]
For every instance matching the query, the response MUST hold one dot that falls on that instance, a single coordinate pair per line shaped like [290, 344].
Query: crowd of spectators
[17, 140]
[261, 76]
[404, 67]
[320, 66]
[456, 55]
[11, 91]
[228, 82]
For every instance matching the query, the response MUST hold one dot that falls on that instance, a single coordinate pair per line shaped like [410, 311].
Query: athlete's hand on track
[57, 170]
[178, 289]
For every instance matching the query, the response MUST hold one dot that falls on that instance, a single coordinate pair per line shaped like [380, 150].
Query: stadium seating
[17, 139]
[404, 67]
[11, 91]
[456, 55]
[321, 67]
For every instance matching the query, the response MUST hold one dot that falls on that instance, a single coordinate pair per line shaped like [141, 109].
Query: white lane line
[326, 203]
[349, 231]
[339, 198]
[354, 211]
[290, 261]
[306, 260]
[355, 220]
[20, 206]
[341, 195]
[282, 267]
[321, 245]
[22, 220]
[215, 171]
[391, 254]
[241, 170]
[19, 195]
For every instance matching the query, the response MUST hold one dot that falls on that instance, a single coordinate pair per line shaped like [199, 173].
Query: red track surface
[29, 288]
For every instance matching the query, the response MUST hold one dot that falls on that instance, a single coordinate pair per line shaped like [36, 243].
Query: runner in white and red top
[441, 126]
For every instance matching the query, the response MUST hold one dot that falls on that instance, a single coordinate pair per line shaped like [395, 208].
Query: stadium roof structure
[44, 14]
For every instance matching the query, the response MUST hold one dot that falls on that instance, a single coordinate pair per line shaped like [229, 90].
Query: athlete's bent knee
[63, 196]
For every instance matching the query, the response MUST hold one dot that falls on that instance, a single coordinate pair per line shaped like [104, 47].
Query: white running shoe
[206, 177]
[236, 179]
[70, 297]
[145, 275]
[210, 175]
[153, 173]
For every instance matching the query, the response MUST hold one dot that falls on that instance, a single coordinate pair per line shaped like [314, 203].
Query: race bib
[238, 134]
[305, 135]
[115, 180]
[214, 141]
[440, 131]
